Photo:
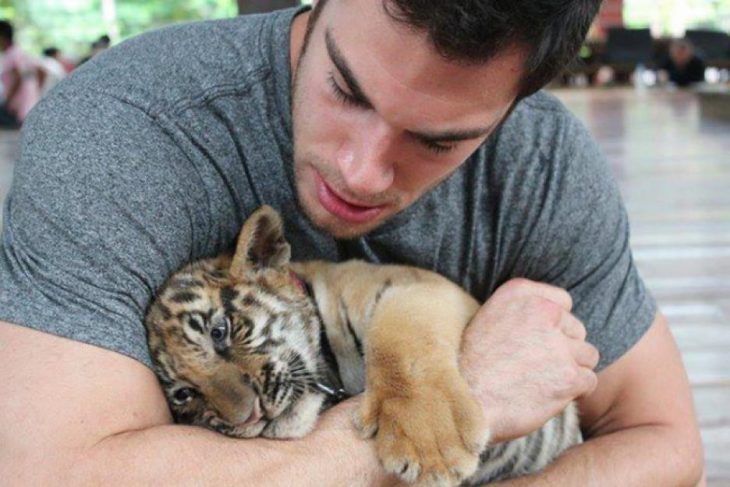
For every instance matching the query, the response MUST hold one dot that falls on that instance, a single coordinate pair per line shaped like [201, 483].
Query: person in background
[97, 47]
[54, 69]
[683, 67]
[67, 63]
[21, 78]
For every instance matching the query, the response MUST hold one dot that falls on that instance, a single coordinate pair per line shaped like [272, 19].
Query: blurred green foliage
[72, 25]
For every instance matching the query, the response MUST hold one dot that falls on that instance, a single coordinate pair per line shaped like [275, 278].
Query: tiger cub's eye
[183, 395]
[219, 334]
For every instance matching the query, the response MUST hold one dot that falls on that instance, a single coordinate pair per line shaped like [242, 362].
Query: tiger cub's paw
[428, 435]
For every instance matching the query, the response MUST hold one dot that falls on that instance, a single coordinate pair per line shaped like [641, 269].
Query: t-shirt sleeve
[101, 210]
[580, 242]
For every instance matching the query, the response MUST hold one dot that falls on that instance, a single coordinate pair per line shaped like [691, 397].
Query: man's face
[380, 117]
[680, 53]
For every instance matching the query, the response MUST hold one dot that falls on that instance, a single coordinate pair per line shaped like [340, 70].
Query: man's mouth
[343, 209]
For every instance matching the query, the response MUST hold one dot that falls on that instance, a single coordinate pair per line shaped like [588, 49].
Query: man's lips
[342, 209]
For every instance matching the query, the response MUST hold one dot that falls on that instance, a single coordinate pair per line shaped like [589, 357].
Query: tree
[72, 25]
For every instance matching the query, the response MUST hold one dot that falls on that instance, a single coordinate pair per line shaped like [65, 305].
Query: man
[52, 65]
[408, 146]
[683, 67]
[21, 78]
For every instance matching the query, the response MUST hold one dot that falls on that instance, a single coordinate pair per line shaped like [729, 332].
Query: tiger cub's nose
[255, 415]
[237, 404]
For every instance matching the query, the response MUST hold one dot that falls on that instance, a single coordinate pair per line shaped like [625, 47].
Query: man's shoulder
[541, 111]
[539, 131]
[165, 68]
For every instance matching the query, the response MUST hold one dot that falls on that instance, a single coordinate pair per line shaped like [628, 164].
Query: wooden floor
[674, 171]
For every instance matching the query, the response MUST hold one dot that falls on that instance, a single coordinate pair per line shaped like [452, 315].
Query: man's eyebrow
[341, 64]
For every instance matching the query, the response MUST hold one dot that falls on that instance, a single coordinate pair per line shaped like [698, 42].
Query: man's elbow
[688, 457]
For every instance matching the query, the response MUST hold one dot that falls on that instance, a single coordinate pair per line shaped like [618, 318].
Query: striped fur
[394, 332]
[349, 295]
[236, 343]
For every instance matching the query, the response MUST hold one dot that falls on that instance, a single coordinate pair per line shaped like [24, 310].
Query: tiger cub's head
[236, 340]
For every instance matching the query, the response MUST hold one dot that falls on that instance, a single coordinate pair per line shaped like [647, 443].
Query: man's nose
[366, 162]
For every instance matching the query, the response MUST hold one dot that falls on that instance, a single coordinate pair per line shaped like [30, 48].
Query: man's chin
[341, 230]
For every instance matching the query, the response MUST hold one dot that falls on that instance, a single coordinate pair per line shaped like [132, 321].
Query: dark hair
[51, 51]
[473, 31]
[6, 30]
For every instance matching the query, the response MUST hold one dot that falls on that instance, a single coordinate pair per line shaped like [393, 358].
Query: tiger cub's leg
[428, 427]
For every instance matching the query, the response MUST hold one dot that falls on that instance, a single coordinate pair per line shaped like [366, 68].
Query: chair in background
[712, 46]
[625, 49]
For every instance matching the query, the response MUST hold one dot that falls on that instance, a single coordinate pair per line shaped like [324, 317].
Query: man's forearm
[181, 455]
[641, 456]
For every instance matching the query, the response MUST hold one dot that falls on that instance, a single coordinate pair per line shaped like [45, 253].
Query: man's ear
[261, 243]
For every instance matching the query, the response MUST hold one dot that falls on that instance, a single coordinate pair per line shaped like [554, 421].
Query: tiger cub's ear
[261, 243]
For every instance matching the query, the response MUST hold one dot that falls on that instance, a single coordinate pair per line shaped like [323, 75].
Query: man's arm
[640, 424]
[74, 414]
[14, 86]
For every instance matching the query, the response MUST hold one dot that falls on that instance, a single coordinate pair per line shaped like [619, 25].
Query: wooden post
[611, 14]
[256, 6]
[109, 17]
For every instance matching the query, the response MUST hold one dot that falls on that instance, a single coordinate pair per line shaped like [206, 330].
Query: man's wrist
[336, 432]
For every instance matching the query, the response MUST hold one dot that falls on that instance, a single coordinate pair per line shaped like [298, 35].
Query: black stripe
[346, 314]
[184, 297]
[269, 324]
[228, 296]
[189, 318]
[534, 444]
[251, 301]
[165, 311]
[218, 274]
[386, 285]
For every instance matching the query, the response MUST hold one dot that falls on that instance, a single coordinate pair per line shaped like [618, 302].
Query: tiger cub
[255, 345]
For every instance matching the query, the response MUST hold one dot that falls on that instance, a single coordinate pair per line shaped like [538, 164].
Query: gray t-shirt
[154, 153]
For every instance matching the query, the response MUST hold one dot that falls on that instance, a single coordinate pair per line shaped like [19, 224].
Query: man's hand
[525, 356]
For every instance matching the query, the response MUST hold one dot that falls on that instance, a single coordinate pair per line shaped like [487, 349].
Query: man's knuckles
[521, 286]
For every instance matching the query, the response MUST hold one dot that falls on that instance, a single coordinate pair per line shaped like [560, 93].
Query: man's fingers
[587, 382]
[585, 354]
[572, 327]
[559, 296]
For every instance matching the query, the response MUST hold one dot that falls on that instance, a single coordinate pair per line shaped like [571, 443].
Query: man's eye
[438, 148]
[342, 95]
